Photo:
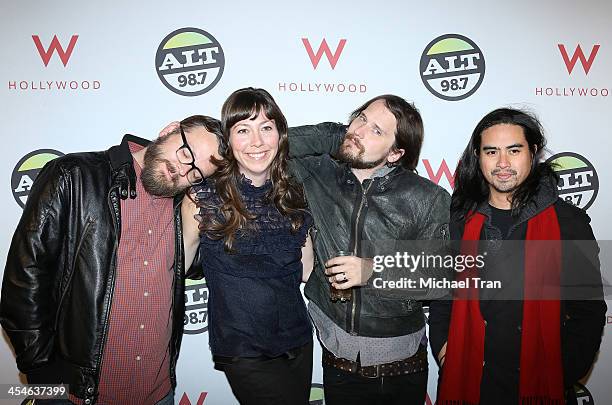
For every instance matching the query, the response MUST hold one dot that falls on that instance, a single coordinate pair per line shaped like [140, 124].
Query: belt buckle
[376, 375]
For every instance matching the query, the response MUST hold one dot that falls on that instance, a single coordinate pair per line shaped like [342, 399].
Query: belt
[414, 364]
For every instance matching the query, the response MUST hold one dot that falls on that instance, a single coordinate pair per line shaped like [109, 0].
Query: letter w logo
[185, 399]
[324, 48]
[45, 55]
[578, 54]
[443, 170]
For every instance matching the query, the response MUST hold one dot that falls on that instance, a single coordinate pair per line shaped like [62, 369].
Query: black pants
[279, 381]
[345, 388]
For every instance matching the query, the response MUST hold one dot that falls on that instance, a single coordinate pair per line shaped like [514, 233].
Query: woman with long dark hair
[255, 250]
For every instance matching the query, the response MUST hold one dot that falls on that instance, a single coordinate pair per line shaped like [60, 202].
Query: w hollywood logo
[578, 54]
[332, 58]
[52, 53]
[323, 80]
[577, 85]
[55, 46]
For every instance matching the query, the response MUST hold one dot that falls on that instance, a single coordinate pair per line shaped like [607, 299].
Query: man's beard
[355, 160]
[153, 178]
[508, 187]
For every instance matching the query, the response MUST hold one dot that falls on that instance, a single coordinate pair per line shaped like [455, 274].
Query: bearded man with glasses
[93, 291]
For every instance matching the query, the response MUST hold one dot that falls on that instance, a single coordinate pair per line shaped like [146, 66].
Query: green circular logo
[583, 396]
[452, 67]
[196, 307]
[189, 61]
[317, 395]
[579, 183]
[26, 171]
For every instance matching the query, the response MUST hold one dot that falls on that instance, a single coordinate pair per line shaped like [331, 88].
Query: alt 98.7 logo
[26, 171]
[583, 395]
[452, 67]
[189, 61]
[196, 307]
[317, 395]
[578, 180]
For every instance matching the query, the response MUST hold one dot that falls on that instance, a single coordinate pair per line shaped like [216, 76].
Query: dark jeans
[277, 381]
[345, 388]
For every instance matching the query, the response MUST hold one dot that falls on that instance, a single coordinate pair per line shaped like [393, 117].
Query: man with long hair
[362, 188]
[93, 289]
[531, 340]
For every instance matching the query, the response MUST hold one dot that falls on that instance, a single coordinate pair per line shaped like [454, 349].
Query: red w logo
[55, 45]
[442, 170]
[185, 399]
[324, 48]
[578, 54]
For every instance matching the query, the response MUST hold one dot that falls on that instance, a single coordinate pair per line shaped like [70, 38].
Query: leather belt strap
[413, 364]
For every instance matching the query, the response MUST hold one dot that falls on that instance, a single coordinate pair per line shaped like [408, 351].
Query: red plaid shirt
[135, 366]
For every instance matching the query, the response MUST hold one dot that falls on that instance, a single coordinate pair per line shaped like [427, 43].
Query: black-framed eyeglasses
[185, 156]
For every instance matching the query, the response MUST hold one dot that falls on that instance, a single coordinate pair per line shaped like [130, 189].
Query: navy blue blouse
[255, 306]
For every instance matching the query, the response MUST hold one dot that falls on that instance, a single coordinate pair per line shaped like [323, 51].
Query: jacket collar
[545, 196]
[122, 165]
[344, 175]
[120, 154]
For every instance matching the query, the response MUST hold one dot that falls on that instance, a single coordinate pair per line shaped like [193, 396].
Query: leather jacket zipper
[178, 272]
[364, 201]
[116, 211]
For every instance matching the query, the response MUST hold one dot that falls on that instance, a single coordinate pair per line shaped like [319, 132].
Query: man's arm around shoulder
[312, 140]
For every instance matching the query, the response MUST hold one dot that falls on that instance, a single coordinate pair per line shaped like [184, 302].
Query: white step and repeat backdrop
[78, 75]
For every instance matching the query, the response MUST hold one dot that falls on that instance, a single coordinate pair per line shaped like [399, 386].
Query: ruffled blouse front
[255, 305]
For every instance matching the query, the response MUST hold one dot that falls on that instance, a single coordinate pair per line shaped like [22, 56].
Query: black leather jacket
[60, 271]
[399, 206]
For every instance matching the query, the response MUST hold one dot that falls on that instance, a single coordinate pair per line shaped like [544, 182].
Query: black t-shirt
[502, 309]
[501, 219]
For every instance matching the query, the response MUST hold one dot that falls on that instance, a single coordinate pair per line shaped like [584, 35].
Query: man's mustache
[353, 138]
[506, 171]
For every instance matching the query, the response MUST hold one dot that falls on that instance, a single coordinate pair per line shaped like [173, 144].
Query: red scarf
[541, 377]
